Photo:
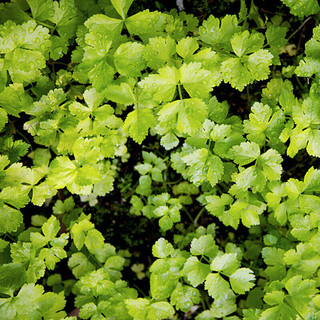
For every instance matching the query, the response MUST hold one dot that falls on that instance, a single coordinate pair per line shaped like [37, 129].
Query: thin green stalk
[180, 93]
[198, 216]
[188, 214]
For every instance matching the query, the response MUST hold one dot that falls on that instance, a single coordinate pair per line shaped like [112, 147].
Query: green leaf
[226, 263]
[241, 279]
[137, 308]
[162, 86]
[160, 310]
[142, 309]
[10, 219]
[12, 277]
[196, 81]
[65, 18]
[122, 6]
[274, 297]
[203, 165]
[240, 72]
[245, 153]
[162, 248]
[80, 265]
[137, 124]
[195, 271]
[245, 43]
[63, 172]
[205, 245]
[14, 99]
[270, 162]
[184, 297]
[94, 240]
[217, 287]
[187, 46]
[129, 59]
[79, 232]
[219, 33]
[159, 51]
[146, 24]
[187, 115]
[302, 8]
[258, 122]
[281, 312]
[300, 291]
[41, 10]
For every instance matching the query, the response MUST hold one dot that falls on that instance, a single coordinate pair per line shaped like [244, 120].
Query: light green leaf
[218, 34]
[217, 287]
[245, 43]
[41, 10]
[197, 81]
[159, 51]
[245, 153]
[195, 271]
[162, 86]
[122, 6]
[184, 297]
[137, 124]
[10, 219]
[162, 248]
[205, 245]
[188, 115]
[226, 263]
[129, 59]
[241, 279]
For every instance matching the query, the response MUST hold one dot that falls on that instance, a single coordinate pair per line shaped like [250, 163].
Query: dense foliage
[155, 166]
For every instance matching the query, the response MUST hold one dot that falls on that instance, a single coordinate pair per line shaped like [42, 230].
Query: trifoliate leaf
[79, 232]
[187, 114]
[65, 18]
[80, 265]
[300, 291]
[216, 205]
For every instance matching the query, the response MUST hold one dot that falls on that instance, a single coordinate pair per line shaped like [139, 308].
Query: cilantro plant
[158, 165]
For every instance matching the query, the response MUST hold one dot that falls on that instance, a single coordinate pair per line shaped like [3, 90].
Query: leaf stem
[198, 216]
[301, 26]
[180, 93]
